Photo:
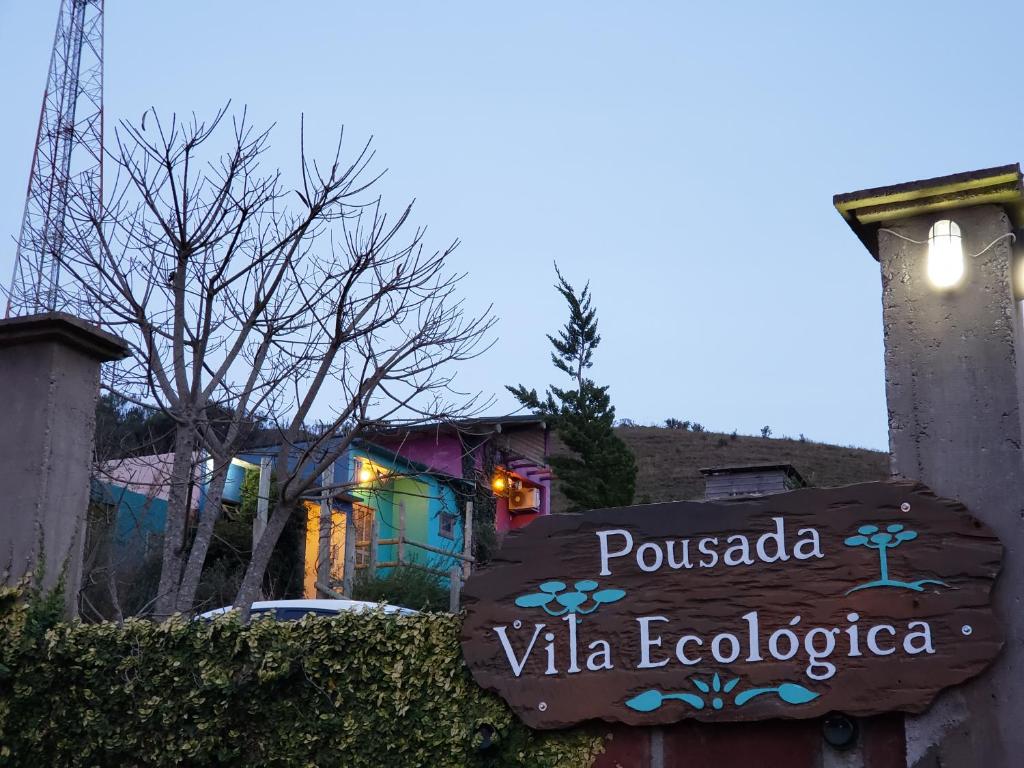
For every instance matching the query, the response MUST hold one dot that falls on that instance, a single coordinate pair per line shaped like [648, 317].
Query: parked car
[293, 610]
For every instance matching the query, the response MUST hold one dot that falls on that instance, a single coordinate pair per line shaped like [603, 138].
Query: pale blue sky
[680, 156]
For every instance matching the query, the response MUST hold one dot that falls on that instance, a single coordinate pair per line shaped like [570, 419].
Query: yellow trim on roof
[888, 214]
[941, 189]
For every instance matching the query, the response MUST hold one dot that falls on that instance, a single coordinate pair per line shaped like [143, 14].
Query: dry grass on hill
[669, 461]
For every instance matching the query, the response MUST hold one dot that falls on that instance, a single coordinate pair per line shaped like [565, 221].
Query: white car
[293, 610]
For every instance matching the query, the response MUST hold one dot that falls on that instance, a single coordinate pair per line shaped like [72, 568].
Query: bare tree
[238, 308]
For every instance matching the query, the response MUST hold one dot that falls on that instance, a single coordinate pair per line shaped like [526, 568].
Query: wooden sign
[863, 599]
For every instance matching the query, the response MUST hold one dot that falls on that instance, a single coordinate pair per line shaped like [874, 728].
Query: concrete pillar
[953, 364]
[49, 383]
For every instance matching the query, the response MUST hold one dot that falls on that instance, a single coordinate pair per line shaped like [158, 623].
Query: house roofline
[789, 469]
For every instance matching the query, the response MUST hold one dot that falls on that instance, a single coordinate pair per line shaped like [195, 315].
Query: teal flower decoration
[872, 537]
[715, 693]
[585, 598]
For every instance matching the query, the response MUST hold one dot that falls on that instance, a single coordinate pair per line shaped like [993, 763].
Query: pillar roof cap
[67, 329]
[869, 209]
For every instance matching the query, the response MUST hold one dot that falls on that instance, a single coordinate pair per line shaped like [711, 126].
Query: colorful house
[402, 497]
[383, 510]
[397, 497]
[508, 455]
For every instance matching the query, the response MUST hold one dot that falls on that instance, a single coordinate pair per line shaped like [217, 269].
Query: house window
[447, 525]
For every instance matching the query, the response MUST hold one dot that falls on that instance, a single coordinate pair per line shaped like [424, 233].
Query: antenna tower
[67, 164]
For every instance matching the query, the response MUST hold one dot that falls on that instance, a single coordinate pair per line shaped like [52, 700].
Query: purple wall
[439, 452]
[442, 452]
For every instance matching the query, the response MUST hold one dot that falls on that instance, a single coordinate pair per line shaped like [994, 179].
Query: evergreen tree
[601, 472]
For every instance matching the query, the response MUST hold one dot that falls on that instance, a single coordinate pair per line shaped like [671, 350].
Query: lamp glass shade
[945, 254]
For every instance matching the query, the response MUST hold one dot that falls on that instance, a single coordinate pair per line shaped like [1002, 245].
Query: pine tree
[601, 472]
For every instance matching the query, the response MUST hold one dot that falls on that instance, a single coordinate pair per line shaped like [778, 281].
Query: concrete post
[349, 575]
[371, 560]
[324, 531]
[259, 523]
[454, 588]
[467, 540]
[952, 360]
[49, 383]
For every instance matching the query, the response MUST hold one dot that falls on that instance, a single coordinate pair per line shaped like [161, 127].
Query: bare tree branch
[239, 308]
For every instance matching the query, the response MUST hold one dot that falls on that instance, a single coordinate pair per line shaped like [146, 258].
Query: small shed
[750, 480]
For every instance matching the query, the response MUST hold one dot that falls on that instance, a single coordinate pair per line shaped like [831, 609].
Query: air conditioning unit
[524, 500]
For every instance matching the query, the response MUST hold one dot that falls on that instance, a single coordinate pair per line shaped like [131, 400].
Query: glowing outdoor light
[366, 473]
[498, 483]
[945, 254]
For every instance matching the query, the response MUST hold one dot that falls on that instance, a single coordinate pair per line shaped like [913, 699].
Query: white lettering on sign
[821, 647]
[651, 556]
[516, 663]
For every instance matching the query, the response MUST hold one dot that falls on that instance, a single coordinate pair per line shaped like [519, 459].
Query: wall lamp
[945, 259]
[945, 254]
[368, 473]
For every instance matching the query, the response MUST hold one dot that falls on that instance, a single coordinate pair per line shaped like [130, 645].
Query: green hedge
[357, 690]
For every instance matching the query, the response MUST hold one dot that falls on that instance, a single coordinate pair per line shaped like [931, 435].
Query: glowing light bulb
[945, 254]
[498, 484]
[366, 474]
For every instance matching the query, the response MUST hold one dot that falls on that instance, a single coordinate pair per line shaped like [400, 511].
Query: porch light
[369, 473]
[945, 254]
[366, 474]
[499, 483]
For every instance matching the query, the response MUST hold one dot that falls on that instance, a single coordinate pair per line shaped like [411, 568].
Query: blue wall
[139, 519]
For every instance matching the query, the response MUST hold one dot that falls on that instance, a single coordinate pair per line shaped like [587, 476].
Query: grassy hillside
[669, 461]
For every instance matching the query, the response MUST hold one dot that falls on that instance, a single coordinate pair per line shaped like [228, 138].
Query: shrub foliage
[356, 690]
[406, 586]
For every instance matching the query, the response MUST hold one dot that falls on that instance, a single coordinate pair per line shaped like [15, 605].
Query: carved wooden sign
[863, 599]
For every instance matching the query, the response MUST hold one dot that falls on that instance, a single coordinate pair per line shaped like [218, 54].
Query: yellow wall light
[367, 472]
[945, 254]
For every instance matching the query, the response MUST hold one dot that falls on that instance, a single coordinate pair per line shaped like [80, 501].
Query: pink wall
[439, 452]
[442, 452]
[147, 475]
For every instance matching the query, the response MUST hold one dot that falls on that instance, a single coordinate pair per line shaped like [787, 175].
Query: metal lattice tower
[67, 165]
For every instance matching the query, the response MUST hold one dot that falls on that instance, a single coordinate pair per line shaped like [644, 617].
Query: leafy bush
[408, 587]
[357, 690]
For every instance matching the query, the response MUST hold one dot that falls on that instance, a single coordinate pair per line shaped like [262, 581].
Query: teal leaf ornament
[534, 600]
[791, 693]
[571, 600]
[648, 701]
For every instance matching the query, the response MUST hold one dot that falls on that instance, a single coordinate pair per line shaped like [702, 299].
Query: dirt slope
[669, 461]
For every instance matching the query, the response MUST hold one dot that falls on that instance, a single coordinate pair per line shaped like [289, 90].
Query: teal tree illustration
[557, 600]
[789, 693]
[871, 537]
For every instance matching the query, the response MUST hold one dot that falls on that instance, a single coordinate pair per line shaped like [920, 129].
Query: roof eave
[867, 210]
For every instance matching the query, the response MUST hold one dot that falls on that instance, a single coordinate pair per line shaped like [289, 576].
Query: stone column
[49, 383]
[953, 389]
